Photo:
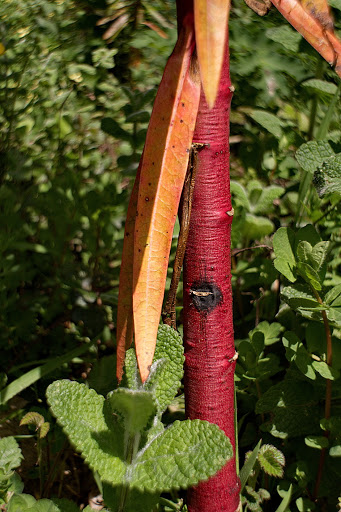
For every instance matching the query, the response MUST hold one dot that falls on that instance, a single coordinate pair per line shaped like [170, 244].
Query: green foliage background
[74, 107]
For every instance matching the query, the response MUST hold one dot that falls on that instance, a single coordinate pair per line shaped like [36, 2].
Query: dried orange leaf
[124, 327]
[324, 41]
[211, 18]
[320, 10]
[163, 172]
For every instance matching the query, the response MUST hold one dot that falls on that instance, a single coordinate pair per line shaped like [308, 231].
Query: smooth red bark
[208, 333]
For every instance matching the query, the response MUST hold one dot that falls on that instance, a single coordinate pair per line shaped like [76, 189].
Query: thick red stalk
[208, 322]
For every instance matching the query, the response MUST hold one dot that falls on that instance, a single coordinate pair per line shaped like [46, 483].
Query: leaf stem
[328, 398]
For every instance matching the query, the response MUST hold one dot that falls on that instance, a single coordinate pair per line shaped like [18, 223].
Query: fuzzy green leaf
[327, 179]
[269, 121]
[283, 244]
[271, 460]
[186, 453]
[312, 154]
[21, 503]
[10, 454]
[240, 195]
[134, 407]
[90, 427]
[333, 296]
[131, 377]
[165, 380]
[309, 275]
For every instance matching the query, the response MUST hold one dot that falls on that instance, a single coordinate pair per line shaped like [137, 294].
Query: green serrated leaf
[90, 427]
[44, 429]
[166, 380]
[269, 121]
[312, 154]
[186, 453]
[33, 418]
[320, 86]
[283, 244]
[317, 442]
[134, 407]
[10, 454]
[271, 460]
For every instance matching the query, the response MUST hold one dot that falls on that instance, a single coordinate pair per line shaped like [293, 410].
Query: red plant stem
[209, 343]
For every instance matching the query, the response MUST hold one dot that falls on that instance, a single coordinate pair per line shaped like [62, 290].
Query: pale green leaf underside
[81, 413]
[186, 453]
[10, 454]
[135, 407]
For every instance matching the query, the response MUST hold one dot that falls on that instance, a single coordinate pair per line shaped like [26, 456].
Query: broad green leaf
[295, 351]
[327, 372]
[163, 168]
[309, 275]
[211, 20]
[10, 454]
[90, 427]
[317, 442]
[320, 86]
[248, 466]
[286, 36]
[166, 380]
[335, 451]
[327, 179]
[283, 244]
[21, 503]
[186, 453]
[299, 296]
[32, 376]
[312, 154]
[136, 501]
[271, 460]
[269, 121]
[134, 407]
[271, 331]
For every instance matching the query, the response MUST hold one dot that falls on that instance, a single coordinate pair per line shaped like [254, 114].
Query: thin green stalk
[328, 398]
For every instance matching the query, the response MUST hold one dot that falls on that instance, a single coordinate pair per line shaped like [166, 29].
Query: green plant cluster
[75, 100]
